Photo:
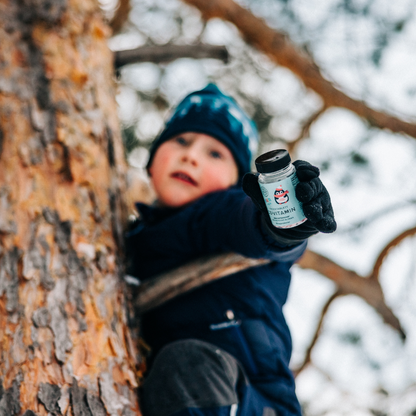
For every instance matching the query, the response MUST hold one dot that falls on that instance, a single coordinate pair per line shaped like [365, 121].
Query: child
[224, 348]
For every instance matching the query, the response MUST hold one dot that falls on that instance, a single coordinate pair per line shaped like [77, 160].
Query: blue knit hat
[211, 112]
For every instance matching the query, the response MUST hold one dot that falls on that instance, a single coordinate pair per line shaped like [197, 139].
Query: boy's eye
[180, 140]
[215, 154]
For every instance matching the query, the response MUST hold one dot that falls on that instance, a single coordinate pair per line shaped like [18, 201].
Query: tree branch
[383, 254]
[277, 46]
[305, 129]
[308, 353]
[168, 53]
[383, 211]
[350, 283]
[120, 16]
[160, 289]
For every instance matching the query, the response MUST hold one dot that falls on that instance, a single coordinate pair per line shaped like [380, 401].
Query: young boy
[222, 349]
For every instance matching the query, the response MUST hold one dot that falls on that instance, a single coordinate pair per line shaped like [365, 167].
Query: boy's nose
[190, 156]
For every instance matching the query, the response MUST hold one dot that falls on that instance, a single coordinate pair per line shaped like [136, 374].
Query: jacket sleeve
[224, 221]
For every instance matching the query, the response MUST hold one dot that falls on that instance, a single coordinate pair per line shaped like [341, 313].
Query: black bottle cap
[272, 161]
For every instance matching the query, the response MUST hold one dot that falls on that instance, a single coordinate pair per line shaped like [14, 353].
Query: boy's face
[189, 166]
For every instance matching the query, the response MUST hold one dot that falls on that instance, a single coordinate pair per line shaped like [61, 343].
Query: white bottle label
[284, 209]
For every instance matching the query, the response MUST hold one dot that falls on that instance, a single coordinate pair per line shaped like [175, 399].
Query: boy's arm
[229, 221]
[287, 244]
[233, 223]
[224, 221]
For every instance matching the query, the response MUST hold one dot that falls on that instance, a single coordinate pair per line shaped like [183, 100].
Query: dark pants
[193, 377]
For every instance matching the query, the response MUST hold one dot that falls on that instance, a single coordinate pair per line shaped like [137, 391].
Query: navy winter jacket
[242, 313]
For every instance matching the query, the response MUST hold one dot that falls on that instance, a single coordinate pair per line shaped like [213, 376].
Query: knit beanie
[211, 112]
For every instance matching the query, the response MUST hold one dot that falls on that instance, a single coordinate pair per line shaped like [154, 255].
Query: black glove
[314, 197]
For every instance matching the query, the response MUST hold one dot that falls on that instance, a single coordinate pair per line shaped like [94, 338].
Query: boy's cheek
[156, 173]
[221, 181]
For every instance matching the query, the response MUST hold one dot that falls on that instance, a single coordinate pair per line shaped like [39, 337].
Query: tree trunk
[64, 343]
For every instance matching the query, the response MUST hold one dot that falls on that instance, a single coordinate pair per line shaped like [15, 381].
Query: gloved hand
[314, 197]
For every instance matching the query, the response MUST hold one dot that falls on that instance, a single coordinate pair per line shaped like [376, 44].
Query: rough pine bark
[64, 344]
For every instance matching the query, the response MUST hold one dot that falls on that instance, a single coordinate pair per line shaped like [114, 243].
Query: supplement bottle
[277, 180]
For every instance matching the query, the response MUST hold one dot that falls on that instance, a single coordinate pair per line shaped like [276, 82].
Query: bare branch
[383, 254]
[162, 288]
[308, 353]
[277, 46]
[305, 129]
[121, 15]
[168, 53]
[351, 283]
[375, 216]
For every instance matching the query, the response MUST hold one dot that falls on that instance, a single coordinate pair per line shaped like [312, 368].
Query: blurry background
[366, 48]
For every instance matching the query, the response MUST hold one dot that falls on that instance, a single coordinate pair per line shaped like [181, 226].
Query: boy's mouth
[182, 176]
